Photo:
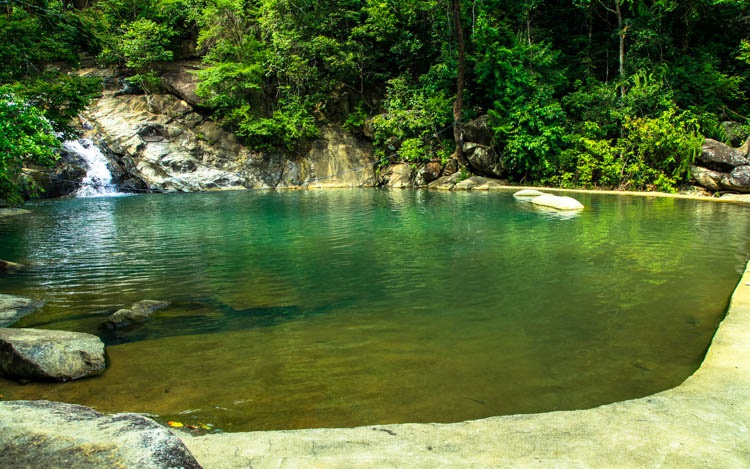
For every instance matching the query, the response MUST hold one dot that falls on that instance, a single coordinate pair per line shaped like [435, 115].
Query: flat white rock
[557, 202]
[528, 193]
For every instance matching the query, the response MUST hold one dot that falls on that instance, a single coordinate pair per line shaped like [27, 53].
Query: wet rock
[557, 202]
[720, 157]
[36, 434]
[138, 313]
[13, 308]
[36, 354]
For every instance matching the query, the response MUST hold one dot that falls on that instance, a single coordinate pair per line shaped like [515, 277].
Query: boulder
[448, 183]
[477, 131]
[138, 313]
[36, 354]
[13, 308]
[428, 173]
[471, 183]
[182, 82]
[398, 176]
[720, 157]
[528, 193]
[484, 160]
[707, 178]
[738, 180]
[557, 202]
[36, 434]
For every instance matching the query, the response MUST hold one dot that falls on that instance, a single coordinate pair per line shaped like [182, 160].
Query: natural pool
[354, 307]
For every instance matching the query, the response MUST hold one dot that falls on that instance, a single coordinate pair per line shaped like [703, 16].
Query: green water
[357, 307]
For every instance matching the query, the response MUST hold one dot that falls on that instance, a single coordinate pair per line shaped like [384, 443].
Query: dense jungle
[581, 93]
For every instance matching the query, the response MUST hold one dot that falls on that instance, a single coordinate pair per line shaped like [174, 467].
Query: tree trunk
[460, 79]
[622, 31]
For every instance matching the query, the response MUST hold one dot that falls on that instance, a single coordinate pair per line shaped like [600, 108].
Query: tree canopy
[593, 93]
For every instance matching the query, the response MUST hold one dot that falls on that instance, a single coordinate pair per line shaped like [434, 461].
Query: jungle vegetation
[578, 93]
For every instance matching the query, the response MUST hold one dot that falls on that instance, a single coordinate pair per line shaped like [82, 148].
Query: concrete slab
[703, 423]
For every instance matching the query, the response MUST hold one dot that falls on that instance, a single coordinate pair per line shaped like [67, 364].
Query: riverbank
[701, 423]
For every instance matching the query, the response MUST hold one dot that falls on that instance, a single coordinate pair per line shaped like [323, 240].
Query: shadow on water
[207, 316]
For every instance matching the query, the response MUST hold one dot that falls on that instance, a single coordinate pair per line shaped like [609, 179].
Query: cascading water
[98, 179]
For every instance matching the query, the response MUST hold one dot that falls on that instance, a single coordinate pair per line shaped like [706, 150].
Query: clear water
[357, 307]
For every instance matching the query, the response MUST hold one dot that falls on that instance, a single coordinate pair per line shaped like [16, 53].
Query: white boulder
[557, 202]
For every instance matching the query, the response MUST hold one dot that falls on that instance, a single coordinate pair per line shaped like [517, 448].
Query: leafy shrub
[27, 137]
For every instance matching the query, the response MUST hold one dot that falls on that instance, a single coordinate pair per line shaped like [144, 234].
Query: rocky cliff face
[161, 143]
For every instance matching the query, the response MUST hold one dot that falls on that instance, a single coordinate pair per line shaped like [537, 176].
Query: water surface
[358, 307]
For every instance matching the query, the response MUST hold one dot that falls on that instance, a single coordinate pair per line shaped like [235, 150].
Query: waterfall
[98, 179]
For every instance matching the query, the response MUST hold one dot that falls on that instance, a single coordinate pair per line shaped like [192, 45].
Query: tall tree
[460, 81]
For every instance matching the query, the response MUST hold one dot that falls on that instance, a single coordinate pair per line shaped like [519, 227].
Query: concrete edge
[704, 422]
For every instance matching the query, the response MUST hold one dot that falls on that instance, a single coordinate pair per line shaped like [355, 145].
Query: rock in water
[8, 266]
[138, 313]
[47, 434]
[557, 202]
[528, 193]
[36, 354]
[13, 308]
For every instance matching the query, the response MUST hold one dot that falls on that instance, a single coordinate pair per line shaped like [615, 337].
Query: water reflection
[336, 308]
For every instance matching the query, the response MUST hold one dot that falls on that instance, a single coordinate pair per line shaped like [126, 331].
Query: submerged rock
[557, 202]
[13, 308]
[8, 266]
[138, 313]
[12, 212]
[54, 434]
[36, 354]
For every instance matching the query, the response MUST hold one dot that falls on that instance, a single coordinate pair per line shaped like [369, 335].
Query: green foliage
[611, 93]
[27, 137]
[654, 154]
[412, 122]
[142, 45]
[34, 34]
[61, 97]
[286, 127]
